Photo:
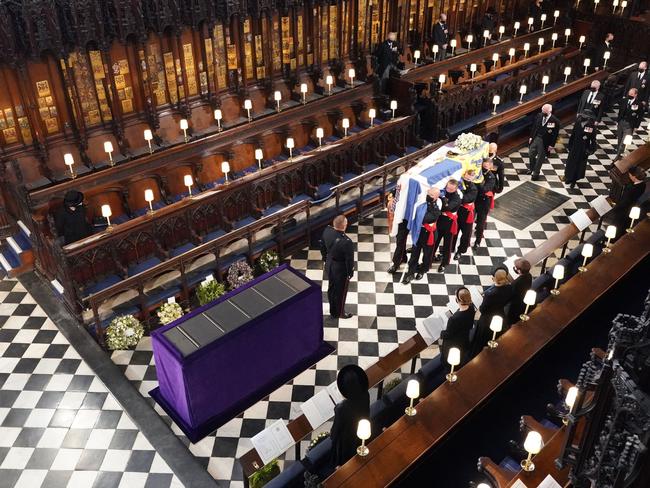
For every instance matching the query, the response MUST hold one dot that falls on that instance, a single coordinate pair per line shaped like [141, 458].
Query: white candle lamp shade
[526, 49]
[531, 21]
[543, 19]
[416, 55]
[529, 300]
[351, 74]
[434, 49]
[393, 106]
[363, 433]
[107, 213]
[556, 14]
[345, 123]
[558, 274]
[511, 53]
[290, 143]
[148, 136]
[148, 197]
[533, 445]
[329, 81]
[225, 169]
[486, 37]
[586, 253]
[218, 116]
[188, 181]
[635, 213]
[495, 59]
[453, 44]
[596, 2]
[570, 401]
[582, 40]
[482, 485]
[610, 233]
[248, 106]
[303, 90]
[184, 125]
[496, 100]
[567, 73]
[320, 133]
[496, 326]
[540, 42]
[441, 80]
[522, 91]
[259, 155]
[413, 393]
[372, 113]
[545, 81]
[554, 38]
[472, 69]
[586, 63]
[517, 26]
[277, 96]
[453, 358]
[606, 56]
[470, 39]
[108, 149]
[502, 30]
[68, 159]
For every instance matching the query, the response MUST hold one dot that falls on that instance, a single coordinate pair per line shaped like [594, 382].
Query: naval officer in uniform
[337, 250]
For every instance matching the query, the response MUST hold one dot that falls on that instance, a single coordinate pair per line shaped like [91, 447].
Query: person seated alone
[459, 326]
[70, 220]
[352, 382]
[495, 299]
[631, 195]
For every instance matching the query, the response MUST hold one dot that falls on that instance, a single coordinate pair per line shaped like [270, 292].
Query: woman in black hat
[353, 385]
[70, 220]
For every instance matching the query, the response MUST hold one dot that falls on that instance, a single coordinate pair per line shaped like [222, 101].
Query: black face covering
[593, 89]
[491, 155]
[631, 97]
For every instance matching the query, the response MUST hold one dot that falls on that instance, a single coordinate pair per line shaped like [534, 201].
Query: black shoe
[457, 256]
[534, 178]
[391, 270]
[419, 276]
[407, 278]
[437, 258]
[528, 172]
[346, 315]
[573, 185]
[475, 246]
[334, 317]
[441, 268]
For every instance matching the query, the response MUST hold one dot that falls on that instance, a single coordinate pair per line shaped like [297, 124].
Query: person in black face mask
[387, 59]
[498, 168]
[640, 80]
[466, 212]
[581, 145]
[629, 119]
[70, 220]
[593, 100]
[426, 238]
[447, 223]
[484, 202]
[441, 36]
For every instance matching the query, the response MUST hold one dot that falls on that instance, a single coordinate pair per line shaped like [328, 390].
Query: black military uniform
[447, 226]
[543, 135]
[387, 58]
[425, 242]
[641, 81]
[498, 167]
[338, 253]
[466, 216]
[591, 102]
[484, 203]
[582, 144]
[441, 38]
[630, 113]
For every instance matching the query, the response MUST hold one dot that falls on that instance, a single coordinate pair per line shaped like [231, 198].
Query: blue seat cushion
[244, 222]
[141, 211]
[323, 190]
[355, 129]
[370, 166]
[23, 241]
[214, 234]
[332, 138]
[391, 158]
[299, 198]
[216, 183]
[120, 219]
[197, 277]
[177, 251]
[161, 294]
[349, 176]
[411, 149]
[292, 476]
[272, 209]
[134, 269]
[104, 283]
[118, 312]
[510, 464]
[317, 460]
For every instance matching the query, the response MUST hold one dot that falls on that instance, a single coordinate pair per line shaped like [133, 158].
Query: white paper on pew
[601, 205]
[272, 441]
[334, 392]
[318, 409]
[510, 265]
[549, 482]
[477, 295]
[518, 484]
[171, 300]
[580, 219]
[431, 327]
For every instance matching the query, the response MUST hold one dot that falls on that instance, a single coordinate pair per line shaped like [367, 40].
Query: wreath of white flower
[467, 142]
[169, 312]
[124, 332]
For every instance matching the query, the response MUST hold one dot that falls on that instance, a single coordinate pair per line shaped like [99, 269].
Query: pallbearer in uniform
[447, 223]
[426, 237]
[441, 36]
[484, 201]
[630, 113]
[466, 213]
[399, 255]
[582, 144]
[387, 59]
[337, 250]
[498, 168]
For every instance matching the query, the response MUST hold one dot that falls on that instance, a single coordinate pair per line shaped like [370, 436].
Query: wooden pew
[618, 172]
[404, 442]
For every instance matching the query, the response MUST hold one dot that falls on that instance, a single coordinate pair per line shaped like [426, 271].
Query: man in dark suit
[387, 59]
[498, 168]
[600, 50]
[640, 79]
[520, 286]
[592, 100]
[535, 11]
[630, 113]
[489, 22]
[631, 195]
[441, 36]
[426, 238]
[447, 223]
[543, 137]
[337, 250]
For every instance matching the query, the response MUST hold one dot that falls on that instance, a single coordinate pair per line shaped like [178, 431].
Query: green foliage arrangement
[124, 332]
[268, 261]
[265, 474]
[209, 290]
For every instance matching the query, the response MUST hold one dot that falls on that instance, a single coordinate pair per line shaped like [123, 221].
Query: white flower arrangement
[169, 312]
[467, 142]
[124, 332]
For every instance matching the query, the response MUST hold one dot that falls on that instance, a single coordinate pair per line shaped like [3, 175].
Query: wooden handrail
[408, 439]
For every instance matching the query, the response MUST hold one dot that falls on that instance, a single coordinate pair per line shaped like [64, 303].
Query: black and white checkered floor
[38, 368]
[59, 425]
[385, 311]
